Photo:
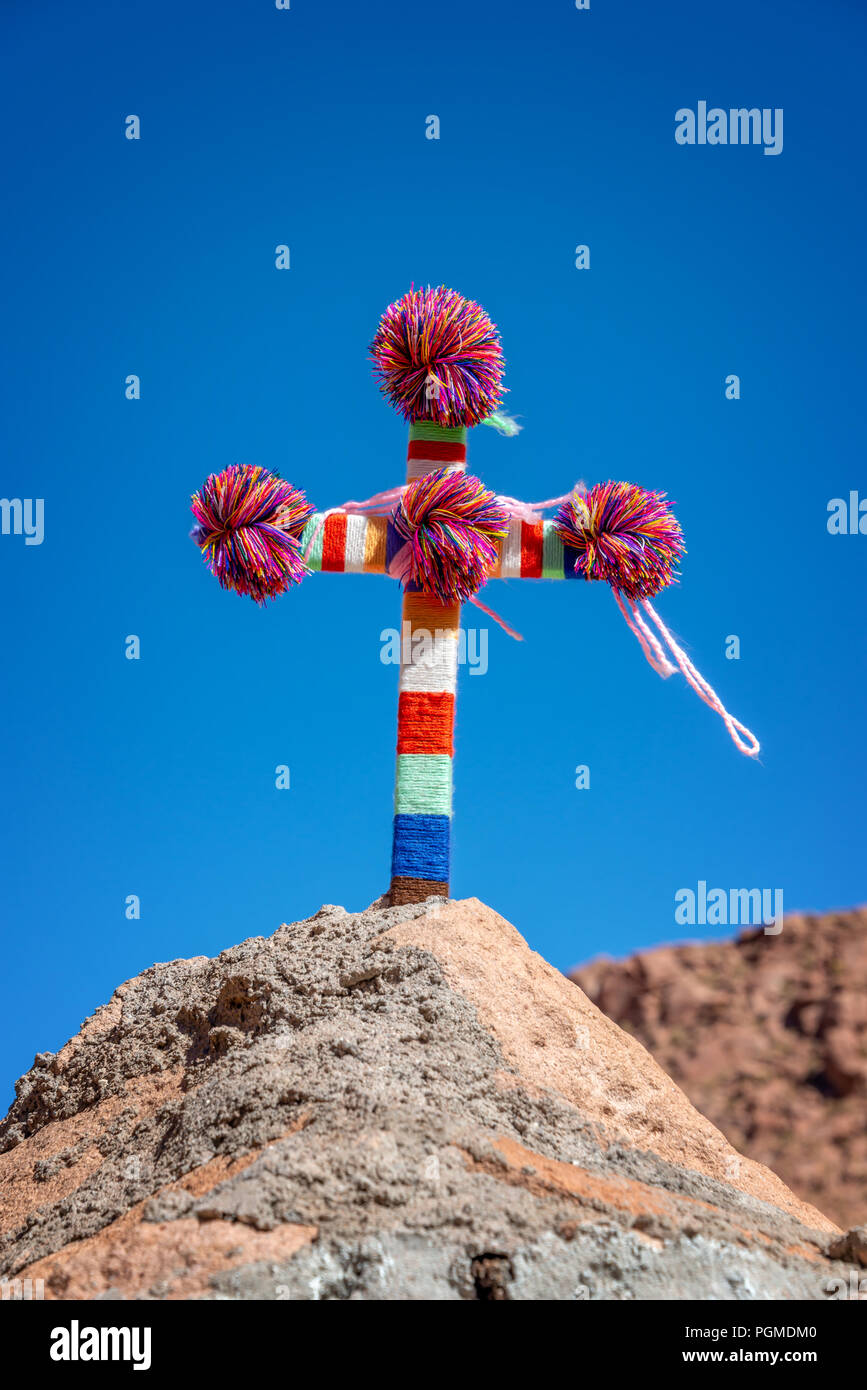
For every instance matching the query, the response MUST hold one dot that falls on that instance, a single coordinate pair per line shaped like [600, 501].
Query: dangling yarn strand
[706, 692]
[630, 538]
[649, 644]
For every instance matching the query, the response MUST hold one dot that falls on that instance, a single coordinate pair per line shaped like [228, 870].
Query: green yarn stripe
[552, 552]
[423, 785]
[314, 559]
[439, 434]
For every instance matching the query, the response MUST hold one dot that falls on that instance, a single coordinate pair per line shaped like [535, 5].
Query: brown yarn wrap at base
[415, 890]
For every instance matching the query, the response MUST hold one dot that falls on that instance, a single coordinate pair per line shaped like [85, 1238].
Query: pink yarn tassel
[660, 663]
[649, 642]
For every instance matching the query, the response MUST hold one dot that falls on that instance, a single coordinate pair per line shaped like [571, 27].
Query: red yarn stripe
[444, 451]
[532, 534]
[425, 722]
[334, 543]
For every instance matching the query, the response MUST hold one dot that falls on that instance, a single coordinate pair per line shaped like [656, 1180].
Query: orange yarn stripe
[374, 544]
[422, 610]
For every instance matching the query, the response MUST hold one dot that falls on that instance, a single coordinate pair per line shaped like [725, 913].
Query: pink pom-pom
[248, 527]
[624, 535]
[438, 358]
[450, 521]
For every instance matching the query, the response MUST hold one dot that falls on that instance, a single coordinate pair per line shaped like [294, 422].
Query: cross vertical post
[426, 703]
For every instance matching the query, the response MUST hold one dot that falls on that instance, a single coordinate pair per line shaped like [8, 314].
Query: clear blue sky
[259, 127]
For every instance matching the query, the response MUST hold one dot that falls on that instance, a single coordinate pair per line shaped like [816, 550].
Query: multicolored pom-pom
[248, 527]
[450, 521]
[624, 535]
[438, 358]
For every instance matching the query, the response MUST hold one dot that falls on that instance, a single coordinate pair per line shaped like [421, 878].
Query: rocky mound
[767, 1035]
[404, 1103]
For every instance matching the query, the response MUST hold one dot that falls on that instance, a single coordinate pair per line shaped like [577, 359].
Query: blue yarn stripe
[421, 848]
[570, 555]
[393, 542]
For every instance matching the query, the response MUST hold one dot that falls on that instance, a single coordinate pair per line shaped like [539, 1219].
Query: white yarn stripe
[510, 566]
[356, 531]
[417, 468]
[429, 664]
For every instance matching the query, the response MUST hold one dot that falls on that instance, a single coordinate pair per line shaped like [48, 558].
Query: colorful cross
[443, 535]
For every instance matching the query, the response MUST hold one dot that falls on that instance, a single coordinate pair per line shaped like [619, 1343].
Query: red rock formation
[767, 1035]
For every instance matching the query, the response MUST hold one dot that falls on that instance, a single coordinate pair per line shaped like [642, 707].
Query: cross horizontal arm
[351, 544]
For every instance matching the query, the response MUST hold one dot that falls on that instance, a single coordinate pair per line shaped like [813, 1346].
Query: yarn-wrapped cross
[443, 535]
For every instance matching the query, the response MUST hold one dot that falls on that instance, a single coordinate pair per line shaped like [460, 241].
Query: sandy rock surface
[403, 1103]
